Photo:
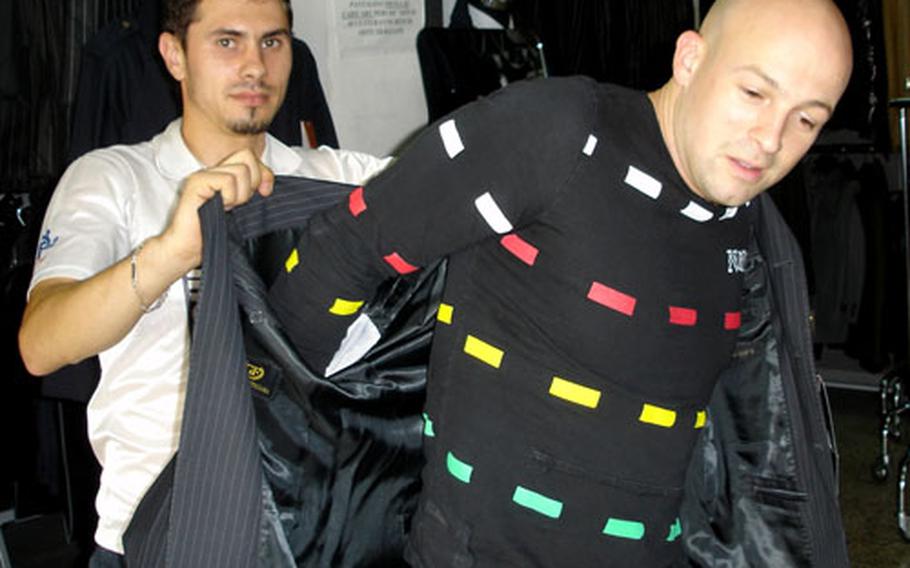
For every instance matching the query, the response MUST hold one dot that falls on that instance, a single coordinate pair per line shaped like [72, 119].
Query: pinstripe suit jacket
[280, 467]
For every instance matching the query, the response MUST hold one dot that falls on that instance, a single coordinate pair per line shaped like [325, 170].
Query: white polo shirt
[106, 203]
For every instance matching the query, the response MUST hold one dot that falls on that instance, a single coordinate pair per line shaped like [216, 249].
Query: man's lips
[746, 170]
[252, 99]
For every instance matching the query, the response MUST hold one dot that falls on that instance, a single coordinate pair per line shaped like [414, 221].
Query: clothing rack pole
[903, 516]
[902, 104]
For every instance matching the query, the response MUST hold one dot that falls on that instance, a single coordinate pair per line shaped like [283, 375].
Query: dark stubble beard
[252, 125]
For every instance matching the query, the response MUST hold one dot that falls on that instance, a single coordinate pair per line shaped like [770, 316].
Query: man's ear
[172, 53]
[690, 51]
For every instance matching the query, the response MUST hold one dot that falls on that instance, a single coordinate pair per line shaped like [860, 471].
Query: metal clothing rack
[894, 401]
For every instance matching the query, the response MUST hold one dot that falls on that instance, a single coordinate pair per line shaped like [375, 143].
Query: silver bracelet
[134, 282]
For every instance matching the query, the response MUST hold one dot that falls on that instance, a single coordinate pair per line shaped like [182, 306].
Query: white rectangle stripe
[643, 182]
[590, 145]
[729, 213]
[361, 336]
[696, 212]
[450, 138]
[492, 214]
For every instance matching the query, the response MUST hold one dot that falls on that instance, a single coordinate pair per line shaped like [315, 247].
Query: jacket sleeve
[478, 174]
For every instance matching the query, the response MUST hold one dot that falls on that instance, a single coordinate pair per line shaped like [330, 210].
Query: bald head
[817, 24]
[750, 93]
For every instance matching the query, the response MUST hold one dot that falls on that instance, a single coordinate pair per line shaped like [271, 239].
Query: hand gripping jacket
[280, 467]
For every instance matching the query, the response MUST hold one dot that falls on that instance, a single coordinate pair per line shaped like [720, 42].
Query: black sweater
[592, 300]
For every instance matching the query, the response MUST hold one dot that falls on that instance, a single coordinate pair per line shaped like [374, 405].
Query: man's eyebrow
[775, 85]
[227, 32]
[279, 32]
[231, 32]
[761, 74]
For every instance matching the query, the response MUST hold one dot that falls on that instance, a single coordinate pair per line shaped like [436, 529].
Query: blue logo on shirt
[46, 243]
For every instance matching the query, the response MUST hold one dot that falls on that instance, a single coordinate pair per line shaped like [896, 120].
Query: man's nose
[769, 130]
[253, 63]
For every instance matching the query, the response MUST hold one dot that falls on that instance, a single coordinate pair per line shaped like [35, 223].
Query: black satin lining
[341, 456]
[742, 504]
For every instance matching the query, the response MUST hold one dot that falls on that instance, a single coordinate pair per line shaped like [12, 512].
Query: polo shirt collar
[282, 159]
[175, 161]
[172, 156]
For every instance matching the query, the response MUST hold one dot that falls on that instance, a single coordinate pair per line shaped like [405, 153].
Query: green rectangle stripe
[428, 426]
[537, 502]
[625, 529]
[459, 469]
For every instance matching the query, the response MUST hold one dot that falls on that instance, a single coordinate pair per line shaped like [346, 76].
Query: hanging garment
[867, 339]
[32, 117]
[11, 72]
[628, 43]
[838, 246]
[279, 467]
[863, 110]
[646, 33]
[460, 65]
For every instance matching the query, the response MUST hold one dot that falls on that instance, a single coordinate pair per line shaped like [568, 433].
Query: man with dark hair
[597, 241]
[121, 236]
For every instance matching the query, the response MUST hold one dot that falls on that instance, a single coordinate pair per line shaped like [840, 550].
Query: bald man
[751, 92]
[597, 241]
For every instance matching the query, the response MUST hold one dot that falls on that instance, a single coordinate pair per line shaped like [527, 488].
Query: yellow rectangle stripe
[445, 313]
[345, 307]
[574, 392]
[292, 261]
[700, 418]
[658, 416]
[483, 351]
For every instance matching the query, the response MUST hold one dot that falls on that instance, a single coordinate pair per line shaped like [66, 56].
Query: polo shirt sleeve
[478, 174]
[85, 225]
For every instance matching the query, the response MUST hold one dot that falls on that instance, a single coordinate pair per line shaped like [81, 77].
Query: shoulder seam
[574, 169]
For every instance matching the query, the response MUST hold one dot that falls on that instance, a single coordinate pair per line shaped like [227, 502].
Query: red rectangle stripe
[683, 316]
[525, 251]
[613, 299]
[399, 264]
[732, 320]
[356, 204]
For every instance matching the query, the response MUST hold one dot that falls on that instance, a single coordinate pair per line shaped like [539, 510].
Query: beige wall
[376, 99]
